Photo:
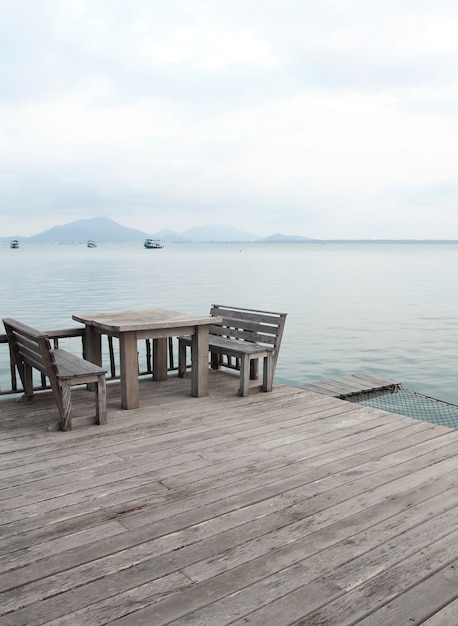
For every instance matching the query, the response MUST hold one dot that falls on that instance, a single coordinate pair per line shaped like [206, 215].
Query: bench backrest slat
[224, 330]
[30, 351]
[31, 347]
[261, 327]
[267, 317]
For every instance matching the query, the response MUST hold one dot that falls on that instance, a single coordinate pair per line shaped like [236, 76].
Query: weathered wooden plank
[376, 380]
[413, 606]
[361, 600]
[443, 617]
[319, 387]
[213, 448]
[307, 573]
[91, 497]
[136, 518]
[142, 551]
[291, 606]
[107, 482]
[328, 386]
[183, 475]
[348, 385]
[201, 489]
[260, 504]
[20, 556]
[147, 570]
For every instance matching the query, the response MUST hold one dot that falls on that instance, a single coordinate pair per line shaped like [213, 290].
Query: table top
[125, 321]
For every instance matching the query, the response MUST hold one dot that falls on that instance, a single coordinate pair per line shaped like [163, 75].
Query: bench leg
[101, 400]
[28, 382]
[66, 408]
[254, 369]
[181, 359]
[216, 360]
[267, 374]
[244, 376]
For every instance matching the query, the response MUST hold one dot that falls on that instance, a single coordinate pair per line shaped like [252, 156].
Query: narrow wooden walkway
[354, 384]
[282, 508]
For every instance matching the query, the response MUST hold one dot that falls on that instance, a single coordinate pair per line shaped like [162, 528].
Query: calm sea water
[388, 308]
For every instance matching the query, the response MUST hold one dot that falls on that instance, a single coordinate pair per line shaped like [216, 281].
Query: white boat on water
[152, 244]
[91, 244]
[14, 243]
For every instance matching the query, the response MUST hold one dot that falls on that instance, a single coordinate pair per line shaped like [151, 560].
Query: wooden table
[157, 324]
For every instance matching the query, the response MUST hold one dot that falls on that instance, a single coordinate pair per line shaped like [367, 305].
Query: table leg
[199, 358]
[93, 349]
[130, 397]
[93, 346]
[160, 358]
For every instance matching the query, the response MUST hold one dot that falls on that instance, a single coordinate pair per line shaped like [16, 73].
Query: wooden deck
[354, 384]
[282, 508]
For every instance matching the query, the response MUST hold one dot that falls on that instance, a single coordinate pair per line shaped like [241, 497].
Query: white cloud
[210, 47]
[331, 116]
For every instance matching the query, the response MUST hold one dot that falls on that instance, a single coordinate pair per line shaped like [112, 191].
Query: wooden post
[199, 358]
[130, 395]
[160, 358]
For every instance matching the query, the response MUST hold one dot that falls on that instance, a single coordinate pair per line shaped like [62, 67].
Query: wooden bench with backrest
[243, 337]
[31, 349]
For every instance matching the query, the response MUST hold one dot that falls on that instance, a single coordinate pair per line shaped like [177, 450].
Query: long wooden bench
[243, 337]
[31, 349]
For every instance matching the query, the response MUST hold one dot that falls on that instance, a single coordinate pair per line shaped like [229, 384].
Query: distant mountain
[103, 229]
[218, 233]
[97, 228]
[279, 238]
[169, 235]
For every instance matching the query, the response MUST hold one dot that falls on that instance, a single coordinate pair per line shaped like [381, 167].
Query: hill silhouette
[106, 230]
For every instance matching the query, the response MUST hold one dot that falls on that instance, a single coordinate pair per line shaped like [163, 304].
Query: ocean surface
[388, 308]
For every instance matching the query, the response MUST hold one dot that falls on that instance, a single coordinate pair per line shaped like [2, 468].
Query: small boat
[91, 244]
[152, 244]
[14, 243]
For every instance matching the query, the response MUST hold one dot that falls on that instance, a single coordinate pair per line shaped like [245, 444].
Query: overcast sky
[323, 118]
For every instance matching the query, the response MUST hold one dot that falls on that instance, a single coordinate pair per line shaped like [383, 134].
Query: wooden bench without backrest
[31, 348]
[244, 336]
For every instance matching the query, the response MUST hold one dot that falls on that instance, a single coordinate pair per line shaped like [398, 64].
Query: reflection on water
[388, 308]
